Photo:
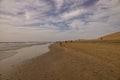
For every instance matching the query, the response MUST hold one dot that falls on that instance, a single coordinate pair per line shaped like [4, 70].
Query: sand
[79, 60]
[14, 57]
[113, 36]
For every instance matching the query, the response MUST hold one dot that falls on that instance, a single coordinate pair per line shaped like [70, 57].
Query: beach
[78, 60]
[59, 39]
[15, 54]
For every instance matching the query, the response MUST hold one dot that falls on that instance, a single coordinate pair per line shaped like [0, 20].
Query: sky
[52, 20]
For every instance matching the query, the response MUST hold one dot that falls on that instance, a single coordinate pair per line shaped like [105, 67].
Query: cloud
[57, 19]
[74, 13]
[77, 25]
[58, 3]
[89, 3]
[27, 15]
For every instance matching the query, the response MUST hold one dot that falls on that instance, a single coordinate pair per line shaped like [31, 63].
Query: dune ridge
[113, 36]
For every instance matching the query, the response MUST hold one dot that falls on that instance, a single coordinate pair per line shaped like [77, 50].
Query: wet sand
[73, 61]
[14, 58]
[8, 49]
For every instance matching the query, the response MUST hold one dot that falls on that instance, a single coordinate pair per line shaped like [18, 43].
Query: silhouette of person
[60, 43]
[101, 38]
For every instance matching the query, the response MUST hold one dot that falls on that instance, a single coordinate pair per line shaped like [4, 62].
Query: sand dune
[113, 36]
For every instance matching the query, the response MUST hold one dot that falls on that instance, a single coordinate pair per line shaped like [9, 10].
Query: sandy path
[66, 64]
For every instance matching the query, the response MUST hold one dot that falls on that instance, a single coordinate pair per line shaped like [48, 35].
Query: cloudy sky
[45, 20]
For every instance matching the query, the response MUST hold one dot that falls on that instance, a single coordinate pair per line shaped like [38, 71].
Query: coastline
[21, 55]
[64, 63]
[9, 49]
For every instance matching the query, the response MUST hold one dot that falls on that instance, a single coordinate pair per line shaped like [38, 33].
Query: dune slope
[113, 36]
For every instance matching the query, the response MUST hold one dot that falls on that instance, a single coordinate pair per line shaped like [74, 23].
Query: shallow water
[22, 55]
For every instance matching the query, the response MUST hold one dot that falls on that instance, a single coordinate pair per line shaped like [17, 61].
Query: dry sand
[113, 36]
[79, 60]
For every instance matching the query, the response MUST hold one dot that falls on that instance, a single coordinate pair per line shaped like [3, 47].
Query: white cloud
[107, 11]
[27, 16]
[77, 25]
[73, 13]
[58, 3]
[15, 7]
[109, 3]
[34, 19]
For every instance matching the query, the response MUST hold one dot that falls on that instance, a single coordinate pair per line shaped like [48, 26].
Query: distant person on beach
[60, 43]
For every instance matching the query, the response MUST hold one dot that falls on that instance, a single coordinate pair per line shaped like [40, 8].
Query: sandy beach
[59, 39]
[14, 57]
[79, 60]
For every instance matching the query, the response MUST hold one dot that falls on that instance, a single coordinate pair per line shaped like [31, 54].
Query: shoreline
[7, 65]
[72, 61]
[11, 50]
